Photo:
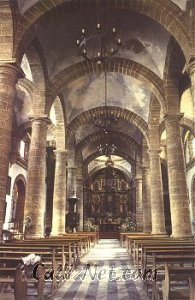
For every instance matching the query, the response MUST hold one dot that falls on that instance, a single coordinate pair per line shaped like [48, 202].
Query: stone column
[147, 225]
[178, 192]
[79, 192]
[139, 214]
[71, 173]
[156, 192]
[71, 181]
[36, 186]
[139, 207]
[9, 74]
[59, 196]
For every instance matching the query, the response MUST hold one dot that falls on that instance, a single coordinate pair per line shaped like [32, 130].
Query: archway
[18, 202]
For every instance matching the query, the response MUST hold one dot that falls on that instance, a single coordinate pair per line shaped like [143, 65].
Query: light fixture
[108, 45]
[107, 149]
[101, 55]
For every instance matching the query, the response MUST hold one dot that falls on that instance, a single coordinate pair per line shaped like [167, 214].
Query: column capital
[190, 66]
[173, 117]
[40, 119]
[11, 69]
[138, 178]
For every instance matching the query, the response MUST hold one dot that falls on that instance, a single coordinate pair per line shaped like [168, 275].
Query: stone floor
[105, 273]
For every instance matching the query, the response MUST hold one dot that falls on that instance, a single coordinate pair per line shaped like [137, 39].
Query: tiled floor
[105, 273]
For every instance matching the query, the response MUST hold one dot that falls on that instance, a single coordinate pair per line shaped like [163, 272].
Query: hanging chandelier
[106, 46]
[106, 149]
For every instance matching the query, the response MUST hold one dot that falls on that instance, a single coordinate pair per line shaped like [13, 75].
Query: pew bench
[171, 285]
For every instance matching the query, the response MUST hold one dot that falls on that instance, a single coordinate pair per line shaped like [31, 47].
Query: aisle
[112, 281]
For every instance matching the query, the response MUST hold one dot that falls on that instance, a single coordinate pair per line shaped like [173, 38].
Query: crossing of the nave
[97, 146]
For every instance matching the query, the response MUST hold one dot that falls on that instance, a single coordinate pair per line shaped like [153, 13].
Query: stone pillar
[79, 192]
[178, 192]
[9, 74]
[36, 175]
[59, 196]
[138, 180]
[139, 215]
[71, 173]
[156, 192]
[147, 225]
[71, 181]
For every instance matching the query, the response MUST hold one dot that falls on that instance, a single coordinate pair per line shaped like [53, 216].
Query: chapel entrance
[109, 202]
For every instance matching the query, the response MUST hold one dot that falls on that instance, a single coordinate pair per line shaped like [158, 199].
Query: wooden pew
[123, 236]
[11, 259]
[175, 274]
[175, 251]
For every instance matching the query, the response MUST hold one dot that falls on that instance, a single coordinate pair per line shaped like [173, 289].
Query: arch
[117, 65]
[174, 65]
[122, 169]
[18, 200]
[168, 14]
[96, 154]
[97, 136]
[38, 74]
[58, 126]
[124, 114]
[185, 123]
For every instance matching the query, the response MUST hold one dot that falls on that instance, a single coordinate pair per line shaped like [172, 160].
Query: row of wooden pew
[59, 254]
[171, 262]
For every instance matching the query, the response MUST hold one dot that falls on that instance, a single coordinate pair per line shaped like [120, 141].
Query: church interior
[97, 148]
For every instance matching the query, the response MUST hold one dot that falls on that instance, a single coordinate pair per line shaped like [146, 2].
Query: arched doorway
[18, 202]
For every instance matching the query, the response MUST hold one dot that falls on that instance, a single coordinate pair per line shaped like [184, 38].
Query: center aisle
[104, 273]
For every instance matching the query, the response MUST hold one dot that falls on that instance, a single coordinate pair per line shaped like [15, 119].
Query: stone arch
[124, 114]
[123, 170]
[168, 14]
[18, 200]
[97, 136]
[117, 152]
[174, 65]
[38, 74]
[117, 65]
[185, 123]
[58, 126]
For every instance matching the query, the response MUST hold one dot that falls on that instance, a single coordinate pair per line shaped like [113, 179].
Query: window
[22, 149]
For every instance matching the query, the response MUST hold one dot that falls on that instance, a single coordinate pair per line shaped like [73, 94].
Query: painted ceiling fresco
[22, 106]
[122, 91]
[143, 40]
